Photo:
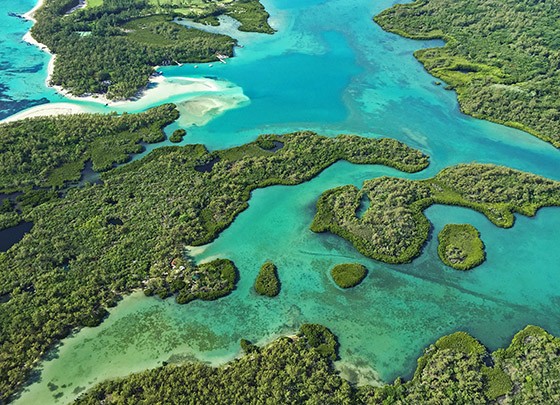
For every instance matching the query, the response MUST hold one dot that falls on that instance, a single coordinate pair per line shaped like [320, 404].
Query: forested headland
[457, 369]
[112, 47]
[132, 230]
[394, 228]
[501, 56]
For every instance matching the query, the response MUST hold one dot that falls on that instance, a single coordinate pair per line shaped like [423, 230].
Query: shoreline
[97, 98]
[30, 14]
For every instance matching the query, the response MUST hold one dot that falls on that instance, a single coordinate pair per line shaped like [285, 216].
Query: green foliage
[293, 371]
[498, 383]
[265, 142]
[533, 363]
[460, 246]
[207, 282]
[348, 275]
[133, 228]
[248, 347]
[112, 47]
[321, 339]
[394, 228]
[6, 206]
[461, 342]
[252, 16]
[50, 151]
[500, 55]
[267, 282]
[177, 135]
[287, 371]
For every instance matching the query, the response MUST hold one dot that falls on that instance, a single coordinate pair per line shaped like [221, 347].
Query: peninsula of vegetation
[394, 228]
[460, 246]
[111, 47]
[457, 369]
[348, 275]
[103, 240]
[267, 282]
[501, 56]
[47, 152]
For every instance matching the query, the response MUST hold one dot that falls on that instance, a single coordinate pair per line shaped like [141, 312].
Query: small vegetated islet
[348, 275]
[460, 246]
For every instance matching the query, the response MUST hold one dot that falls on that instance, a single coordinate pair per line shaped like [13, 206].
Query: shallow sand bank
[198, 100]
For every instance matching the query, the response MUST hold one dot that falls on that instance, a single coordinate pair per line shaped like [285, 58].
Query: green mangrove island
[457, 369]
[394, 228]
[460, 246]
[348, 275]
[143, 33]
[267, 282]
[501, 56]
[132, 231]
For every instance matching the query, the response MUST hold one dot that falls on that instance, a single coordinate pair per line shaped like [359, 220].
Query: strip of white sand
[46, 110]
[198, 99]
[29, 15]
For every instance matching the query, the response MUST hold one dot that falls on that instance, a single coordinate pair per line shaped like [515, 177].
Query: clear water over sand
[331, 69]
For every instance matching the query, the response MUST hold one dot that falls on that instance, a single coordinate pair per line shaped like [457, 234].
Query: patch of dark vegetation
[267, 282]
[460, 246]
[177, 135]
[206, 282]
[348, 275]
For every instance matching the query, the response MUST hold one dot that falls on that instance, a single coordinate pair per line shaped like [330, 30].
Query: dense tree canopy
[394, 227]
[48, 151]
[460, 246]
[113, 47]
[502, 56]
[267, 282]
[103, 240]
[457, 369]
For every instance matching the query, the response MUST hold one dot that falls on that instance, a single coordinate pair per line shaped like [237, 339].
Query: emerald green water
[331, 69]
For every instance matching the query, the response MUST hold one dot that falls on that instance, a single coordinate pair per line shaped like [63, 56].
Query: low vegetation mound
[348, 275]
[457, 369]
[460, 246]
[267, 282]
[500, 55]
[104, 240]
[394, 228]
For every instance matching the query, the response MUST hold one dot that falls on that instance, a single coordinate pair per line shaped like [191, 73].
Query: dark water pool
[11, 236]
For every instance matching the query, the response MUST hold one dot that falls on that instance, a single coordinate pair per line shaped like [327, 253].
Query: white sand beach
[46, 110]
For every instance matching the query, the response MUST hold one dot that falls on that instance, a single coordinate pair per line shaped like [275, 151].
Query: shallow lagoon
[330, 68]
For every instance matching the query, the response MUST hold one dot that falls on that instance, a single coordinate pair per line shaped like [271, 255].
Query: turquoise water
[331, 69]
